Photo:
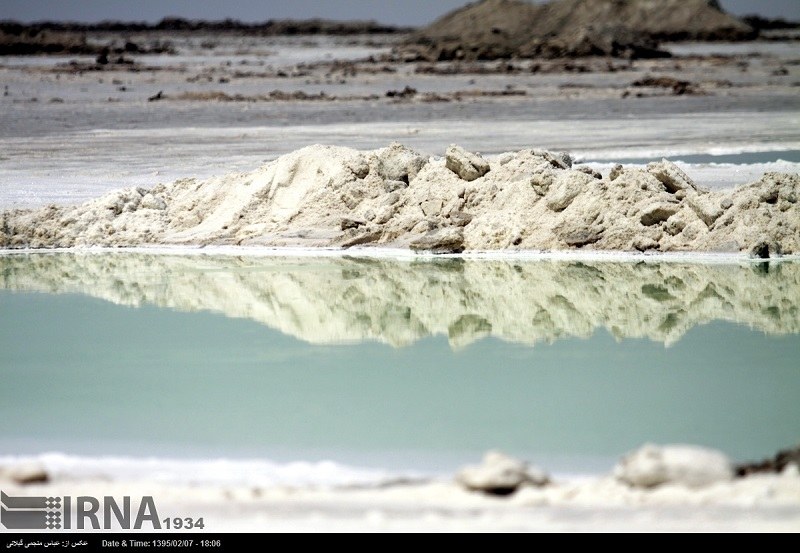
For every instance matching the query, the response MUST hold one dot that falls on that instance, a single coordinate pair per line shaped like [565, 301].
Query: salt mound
[493, 29]
[687, 465]
[500, 474]
[336, 196]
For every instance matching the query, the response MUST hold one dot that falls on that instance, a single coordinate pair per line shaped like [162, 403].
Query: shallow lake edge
[406, 254]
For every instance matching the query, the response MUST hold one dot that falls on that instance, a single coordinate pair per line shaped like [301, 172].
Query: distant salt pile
[691, 466]
[492, 29]
[500, 474]
[334, 196]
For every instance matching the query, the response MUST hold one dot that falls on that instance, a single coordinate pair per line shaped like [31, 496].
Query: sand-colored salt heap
[334, 196]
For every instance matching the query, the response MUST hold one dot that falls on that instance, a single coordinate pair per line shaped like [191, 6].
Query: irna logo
[56, 513]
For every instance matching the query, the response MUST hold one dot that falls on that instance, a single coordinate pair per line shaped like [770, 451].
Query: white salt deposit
[335, 196]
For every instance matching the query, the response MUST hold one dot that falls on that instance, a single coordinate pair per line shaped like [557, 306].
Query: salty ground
[71, 131]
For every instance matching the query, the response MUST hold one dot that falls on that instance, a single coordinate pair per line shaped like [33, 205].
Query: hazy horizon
[394, 12]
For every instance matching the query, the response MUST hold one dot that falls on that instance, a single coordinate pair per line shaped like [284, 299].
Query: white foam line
[720, 258]
[581, 154]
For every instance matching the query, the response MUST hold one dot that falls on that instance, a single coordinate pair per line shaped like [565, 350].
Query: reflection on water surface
[347, 300]
[402, 364]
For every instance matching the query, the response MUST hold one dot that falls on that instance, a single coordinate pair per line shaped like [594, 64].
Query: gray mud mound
[493, 29]
[20, 42]
[328, 196]
[488, 30]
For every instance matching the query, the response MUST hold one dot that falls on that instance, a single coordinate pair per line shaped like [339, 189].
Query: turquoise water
[394, 364]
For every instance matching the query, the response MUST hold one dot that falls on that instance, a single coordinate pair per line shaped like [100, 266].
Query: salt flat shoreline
[401, 254]
[763, 503]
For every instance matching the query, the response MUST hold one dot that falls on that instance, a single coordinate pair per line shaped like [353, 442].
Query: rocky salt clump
[686, 465]
[328, 196]
[500, 474]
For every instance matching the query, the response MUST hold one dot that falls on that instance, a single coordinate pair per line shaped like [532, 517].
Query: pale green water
[392, 363]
